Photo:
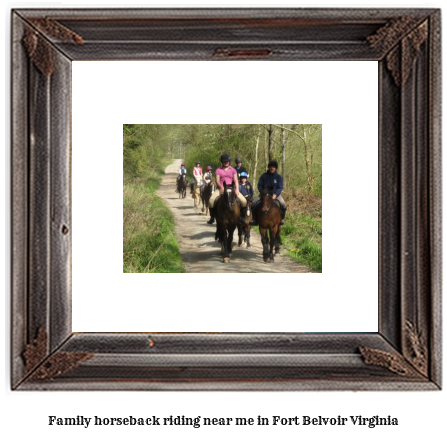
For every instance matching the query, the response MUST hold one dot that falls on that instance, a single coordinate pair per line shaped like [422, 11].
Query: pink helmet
[183, 164]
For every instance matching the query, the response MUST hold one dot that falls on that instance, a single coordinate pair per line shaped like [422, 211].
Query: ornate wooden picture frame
[405, 353]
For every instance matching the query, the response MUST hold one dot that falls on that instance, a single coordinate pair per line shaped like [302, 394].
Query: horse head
[266, 199]
[229, 195]
[210, 187]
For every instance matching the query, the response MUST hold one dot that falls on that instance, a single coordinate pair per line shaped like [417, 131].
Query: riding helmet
[244, 175]
[183, 164]
[238, 160]
[197, 162]
[273, 163]
[224, 157]
[209, 168]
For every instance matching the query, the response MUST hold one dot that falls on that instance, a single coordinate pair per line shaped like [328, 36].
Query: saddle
[219, 198]
[275, 201]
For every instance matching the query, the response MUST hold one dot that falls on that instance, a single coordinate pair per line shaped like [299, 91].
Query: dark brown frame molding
[405, 354]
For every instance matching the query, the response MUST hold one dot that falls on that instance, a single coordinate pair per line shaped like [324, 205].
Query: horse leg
[230, 240]
[219, 236]
[198, 197]
[247, 236]
[226, 256]
[278, 240]
[272, 243]
[220, 232]
[265, 248]
[239, 233]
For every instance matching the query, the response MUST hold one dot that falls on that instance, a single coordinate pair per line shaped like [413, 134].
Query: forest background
[149, 243]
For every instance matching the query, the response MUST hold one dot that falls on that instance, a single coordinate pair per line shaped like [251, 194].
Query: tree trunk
[270, 147]
[255, 171]
[283, 139]
[308, 157]
[266, 156]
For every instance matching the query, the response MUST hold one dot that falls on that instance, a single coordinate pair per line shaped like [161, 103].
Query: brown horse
[268, 217]
[227, 216]
[243, 228]
[206, 195]
[196, 194]
[182, 183]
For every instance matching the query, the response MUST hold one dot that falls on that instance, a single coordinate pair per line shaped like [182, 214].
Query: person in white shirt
[197, 174]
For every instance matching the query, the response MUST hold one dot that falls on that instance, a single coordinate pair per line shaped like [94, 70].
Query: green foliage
[149, 241]
[143, 149]
[302, 239]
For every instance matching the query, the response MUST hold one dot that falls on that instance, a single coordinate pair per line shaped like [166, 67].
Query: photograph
[196, 196]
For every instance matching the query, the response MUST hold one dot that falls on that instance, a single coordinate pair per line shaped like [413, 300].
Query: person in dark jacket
[181, 171]
[239, 168]
[273, 179]
[246, 189]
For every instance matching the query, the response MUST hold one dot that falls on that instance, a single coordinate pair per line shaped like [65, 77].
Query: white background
[419, 414]
[343, 298]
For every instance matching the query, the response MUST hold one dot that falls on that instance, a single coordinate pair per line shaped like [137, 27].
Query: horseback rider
[181, 171]
[246, 189]
[197, 174]
[207, 177]
[226, 174]
[239, 168]
[273, 179]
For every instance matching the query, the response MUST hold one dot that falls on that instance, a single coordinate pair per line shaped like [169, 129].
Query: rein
[266, 211]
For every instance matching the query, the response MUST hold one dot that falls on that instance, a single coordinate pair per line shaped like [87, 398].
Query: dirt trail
[200, 252]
